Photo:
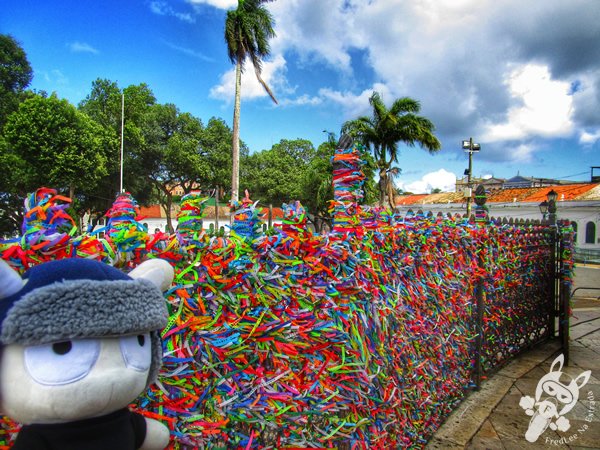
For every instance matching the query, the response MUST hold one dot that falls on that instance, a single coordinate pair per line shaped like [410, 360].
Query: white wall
[161, 223]
[578, 212]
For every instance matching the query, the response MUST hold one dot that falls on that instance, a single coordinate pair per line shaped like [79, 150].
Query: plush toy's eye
[62, 348]
[136, 351]
[61, 362]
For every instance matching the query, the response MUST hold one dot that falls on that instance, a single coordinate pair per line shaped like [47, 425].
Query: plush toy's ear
[158, 271]
[10, 281]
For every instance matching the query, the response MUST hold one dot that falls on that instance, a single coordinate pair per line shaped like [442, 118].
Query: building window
[590, 233]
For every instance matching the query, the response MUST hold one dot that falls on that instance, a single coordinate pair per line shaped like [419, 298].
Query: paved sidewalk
[492, 418]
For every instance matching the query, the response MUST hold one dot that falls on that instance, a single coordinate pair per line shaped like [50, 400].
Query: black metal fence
[587, 255]
[530, 302]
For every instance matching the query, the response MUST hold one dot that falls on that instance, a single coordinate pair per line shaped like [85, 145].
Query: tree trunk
[217, 209]
[167, 206]
[390, 192]
[383, 179]
[166, 202]
[235, 156]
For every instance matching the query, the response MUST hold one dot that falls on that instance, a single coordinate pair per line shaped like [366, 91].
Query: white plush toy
[80, 341]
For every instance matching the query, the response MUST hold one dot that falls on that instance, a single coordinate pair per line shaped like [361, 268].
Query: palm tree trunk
[390, 193]
[235, 166]
[383, 180]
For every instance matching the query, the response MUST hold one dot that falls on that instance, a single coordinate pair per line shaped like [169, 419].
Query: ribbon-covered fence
[365, 337]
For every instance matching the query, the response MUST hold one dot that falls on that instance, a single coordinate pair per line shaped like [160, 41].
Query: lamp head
[470, 146]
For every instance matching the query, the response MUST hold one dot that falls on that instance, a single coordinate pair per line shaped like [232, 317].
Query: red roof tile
[411, 199]
[510, 195]
[444, 197]
[592, 194]
[565, 192]
[152, 211]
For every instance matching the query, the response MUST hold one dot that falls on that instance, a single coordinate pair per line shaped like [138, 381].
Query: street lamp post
[549, 206]
[552, 196]
[544, 209]
[471, 147]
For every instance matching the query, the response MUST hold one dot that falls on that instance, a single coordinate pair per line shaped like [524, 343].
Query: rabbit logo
[553, 399]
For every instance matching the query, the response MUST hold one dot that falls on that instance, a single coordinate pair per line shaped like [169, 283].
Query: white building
[577, 203]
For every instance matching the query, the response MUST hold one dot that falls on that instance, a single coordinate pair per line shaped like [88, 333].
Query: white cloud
[440, 179]
[586, 95]
[522, 153]
[303, 100]
[189, 52]
[418, 53]
[587, 138]
[315, 30]
[82, 47]
[544, 106]
[354, 105]
[162, 8]
[55, 77]
[251, 88]
[221, 4]
[486, 68]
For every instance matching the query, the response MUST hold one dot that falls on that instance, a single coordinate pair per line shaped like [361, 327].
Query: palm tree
[385, 129]
[247, 32]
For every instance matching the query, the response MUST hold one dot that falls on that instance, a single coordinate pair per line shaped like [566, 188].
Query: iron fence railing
[587, 255]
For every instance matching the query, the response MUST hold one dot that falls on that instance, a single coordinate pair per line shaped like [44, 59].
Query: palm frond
[265, 86]
[394, 172]
[385, 129]
[405, 105]
[247, 32]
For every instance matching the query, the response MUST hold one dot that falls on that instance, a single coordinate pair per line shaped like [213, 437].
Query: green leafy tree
[15, 75]
[248, 29]
[215, 147]
[11, 194]
[103, 105]
[172, 154]
[50, 143]
[276, 175]
[371, 189]
[317, 185]
[385, 129]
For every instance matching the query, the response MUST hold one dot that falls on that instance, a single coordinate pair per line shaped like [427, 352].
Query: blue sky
[521, 78]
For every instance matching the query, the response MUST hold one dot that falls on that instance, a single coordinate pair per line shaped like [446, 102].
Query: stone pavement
[492, 418]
